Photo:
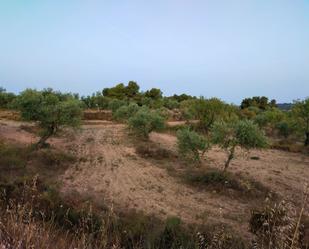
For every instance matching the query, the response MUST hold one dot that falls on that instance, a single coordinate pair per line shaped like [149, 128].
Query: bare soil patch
[108, 170]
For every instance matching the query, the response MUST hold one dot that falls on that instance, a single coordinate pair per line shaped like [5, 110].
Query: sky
[229, 49]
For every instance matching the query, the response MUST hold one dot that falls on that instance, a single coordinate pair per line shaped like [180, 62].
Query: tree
[114, 104]
[125, 112]
[271, 116]
[117, 92]
[243, 133]
[6, 99]
[154, 93]
[132, 89]
[145, 121]
[207, 111]
[122, 92]
[259, 102]
[300, 112]
[50, 109]
[284, 129]
[190, 144]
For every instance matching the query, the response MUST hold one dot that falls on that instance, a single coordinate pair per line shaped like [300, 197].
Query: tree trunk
[40, 144]
[307, 139]
[229, 159]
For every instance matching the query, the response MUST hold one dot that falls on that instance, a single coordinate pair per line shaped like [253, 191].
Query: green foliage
[259, 102]
[243, 133]
[6, 99]
[125, 112]
[269, 117]
[208, 111]
[170, 103]
[153, 93]
[97, 100]
[52, 110]
[300, 112]
[145, 121]
[284, 129]
[132, 89]
[122, 92]
[249, 136]
[190, 144]
[115, 104]
[181, 97]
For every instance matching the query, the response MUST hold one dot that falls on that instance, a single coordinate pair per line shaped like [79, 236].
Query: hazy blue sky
[229, 49]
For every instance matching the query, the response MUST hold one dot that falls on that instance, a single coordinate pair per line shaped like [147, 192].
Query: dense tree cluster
[259, 102]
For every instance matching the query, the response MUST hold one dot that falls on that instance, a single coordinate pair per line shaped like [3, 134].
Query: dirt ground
[110, 171]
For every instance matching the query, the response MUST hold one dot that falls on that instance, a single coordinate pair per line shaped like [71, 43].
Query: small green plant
[190, 144]
[145, 121]
[243, 133]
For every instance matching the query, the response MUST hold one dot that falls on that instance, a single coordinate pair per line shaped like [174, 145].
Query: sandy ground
[109, 171]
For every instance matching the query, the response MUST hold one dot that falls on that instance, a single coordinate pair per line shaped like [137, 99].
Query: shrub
[125, 112]
[300, 112]
[190, 144]
[115, 104]
[243, 133]
[6, 99]
[284, 129]
[145, 121]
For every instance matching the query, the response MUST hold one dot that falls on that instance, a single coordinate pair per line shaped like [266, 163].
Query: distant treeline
[152, 97]
[123, 100]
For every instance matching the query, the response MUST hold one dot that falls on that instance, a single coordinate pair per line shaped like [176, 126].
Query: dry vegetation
[101, 187]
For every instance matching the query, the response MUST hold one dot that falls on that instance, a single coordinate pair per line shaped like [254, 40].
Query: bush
[115, 104]
[6, 99]
[284, 129]
[125, 112]
[190, 144]
[145, 121]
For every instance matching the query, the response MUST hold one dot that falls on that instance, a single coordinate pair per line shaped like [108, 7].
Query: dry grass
[10, 115]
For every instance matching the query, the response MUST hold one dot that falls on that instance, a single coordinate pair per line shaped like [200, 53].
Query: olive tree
[190, 144]
[51, 110]
[145, 121]
[208, 111]
[243, 133]
[125, 112]
[300, 111]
